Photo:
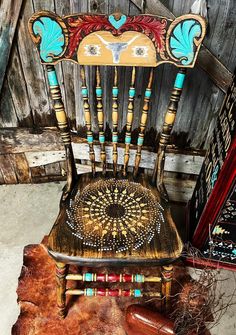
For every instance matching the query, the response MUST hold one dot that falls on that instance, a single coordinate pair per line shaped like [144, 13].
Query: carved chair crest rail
[115, 217]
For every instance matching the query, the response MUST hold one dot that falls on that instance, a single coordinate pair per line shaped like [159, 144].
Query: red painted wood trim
[202, 263]
[217, 197]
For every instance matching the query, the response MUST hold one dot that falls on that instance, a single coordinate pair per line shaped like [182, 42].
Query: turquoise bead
[148, 93]
[127, 139]
[132, 92]
[98, 92]
[101, 138]
[84, 92]
[179, 80]
[52, 78]
[114, 138]
[139, 278]
[88, 276]
[137, 293]
[115, 91]
[140, 141]
[90, 139]
[89, 292]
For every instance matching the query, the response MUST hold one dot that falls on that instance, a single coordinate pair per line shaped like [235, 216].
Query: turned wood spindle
[167, 275]
[105, 292]
[113, 278]
[169, 120]
[115, 92]
[129, 121]
[61, 117]
[87, 115]
[100, 116]
[61, 271]
[143, 122]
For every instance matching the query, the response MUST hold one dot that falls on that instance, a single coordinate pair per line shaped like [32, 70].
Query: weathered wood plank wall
[25, 103]
[25, 100]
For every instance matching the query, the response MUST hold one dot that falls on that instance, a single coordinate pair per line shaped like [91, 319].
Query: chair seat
[114, 219]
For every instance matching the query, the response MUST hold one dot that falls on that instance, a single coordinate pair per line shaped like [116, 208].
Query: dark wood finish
[61, 270]
[115, 218]
[64, 129]
[64, 245]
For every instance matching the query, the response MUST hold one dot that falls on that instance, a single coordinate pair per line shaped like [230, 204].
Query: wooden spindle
[143, 122]
[61, 270]
[129, 121]
[105, 292]
[115, 121]
[113, 278]
[169, 120]
[87, 115]
[100, 115]
[167, 276]
[63, 126]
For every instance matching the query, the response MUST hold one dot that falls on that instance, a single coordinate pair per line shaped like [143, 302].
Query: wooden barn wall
[25, 102]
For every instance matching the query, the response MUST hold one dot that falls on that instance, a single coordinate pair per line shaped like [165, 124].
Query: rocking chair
[116, 217]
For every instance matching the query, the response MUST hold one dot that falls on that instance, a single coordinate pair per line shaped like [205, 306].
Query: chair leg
[167, 274]
[61, 271]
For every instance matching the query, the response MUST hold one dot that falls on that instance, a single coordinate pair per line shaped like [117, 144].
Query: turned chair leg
[61, 272]
[167, 275]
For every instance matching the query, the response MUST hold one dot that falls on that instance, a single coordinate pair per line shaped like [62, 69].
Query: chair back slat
[115, 92]
[169, 120]
[87, 116]
[129, 121]
[124, 41]
[100, 115]
[143, 122]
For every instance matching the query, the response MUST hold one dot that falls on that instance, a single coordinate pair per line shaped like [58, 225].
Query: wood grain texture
[202, 98]
[67, 247]
[35, 77]
[221, 76]
[44, 148]
[9, 13]
[7, 170]
[21, 167]
[18, 89]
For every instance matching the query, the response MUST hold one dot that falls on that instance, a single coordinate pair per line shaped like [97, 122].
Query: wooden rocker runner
[119, 217]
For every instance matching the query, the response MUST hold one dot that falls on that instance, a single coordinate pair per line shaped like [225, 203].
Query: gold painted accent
[72, 276]
[105, 56]
[158, 172]
[143, 123]
[76, 292]
[100, 116]
[129, 122]
[87, 115]
[115, 122]
[169, 118]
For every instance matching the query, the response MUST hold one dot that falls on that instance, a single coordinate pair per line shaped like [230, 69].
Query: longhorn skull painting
[116, 47]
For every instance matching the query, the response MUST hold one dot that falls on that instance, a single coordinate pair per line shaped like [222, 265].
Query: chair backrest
[117, 40]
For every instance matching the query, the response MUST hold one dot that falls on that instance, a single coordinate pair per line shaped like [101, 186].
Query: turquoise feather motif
[52, 39]
[182, 44]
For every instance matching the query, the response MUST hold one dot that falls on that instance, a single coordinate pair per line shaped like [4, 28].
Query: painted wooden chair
[115, 218]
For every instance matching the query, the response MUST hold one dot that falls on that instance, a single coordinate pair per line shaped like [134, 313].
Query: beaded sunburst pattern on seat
[115, 215]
